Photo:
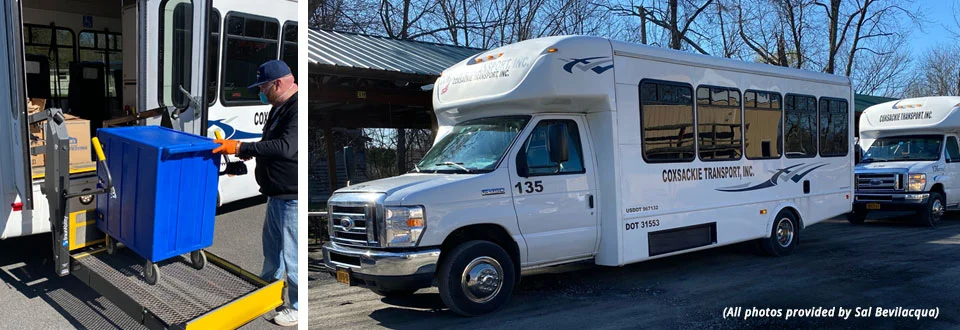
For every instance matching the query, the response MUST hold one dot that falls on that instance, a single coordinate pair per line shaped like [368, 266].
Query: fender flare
[772, 216]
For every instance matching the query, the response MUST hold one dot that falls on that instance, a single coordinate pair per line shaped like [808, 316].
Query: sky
[938, 17]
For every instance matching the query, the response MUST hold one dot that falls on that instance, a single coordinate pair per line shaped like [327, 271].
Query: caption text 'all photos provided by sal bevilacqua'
[830, 312]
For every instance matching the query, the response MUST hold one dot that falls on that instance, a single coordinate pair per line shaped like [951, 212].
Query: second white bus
[565, 149]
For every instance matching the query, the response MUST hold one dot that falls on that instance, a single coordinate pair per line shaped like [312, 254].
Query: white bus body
[910, 158]
[259, 33]
[661, 168]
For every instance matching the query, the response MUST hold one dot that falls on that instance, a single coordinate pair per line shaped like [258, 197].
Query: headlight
[916, 181]
[403, 226]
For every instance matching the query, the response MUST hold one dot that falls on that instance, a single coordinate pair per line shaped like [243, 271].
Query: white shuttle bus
[566, 149]
[911, 159]
[109, 60]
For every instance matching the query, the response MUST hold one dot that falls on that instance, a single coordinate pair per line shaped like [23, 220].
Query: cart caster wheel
[111, 245]
[198, 259]
[151, 272]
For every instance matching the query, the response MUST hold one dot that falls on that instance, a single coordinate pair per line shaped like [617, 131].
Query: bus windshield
[898, 148]
[474, 146]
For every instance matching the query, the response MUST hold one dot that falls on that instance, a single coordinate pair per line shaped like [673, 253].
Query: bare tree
[938, 73]
[676, 19]
[886, 73]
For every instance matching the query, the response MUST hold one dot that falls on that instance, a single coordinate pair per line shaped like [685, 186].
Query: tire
[151, 273]
[932, 214]
[394, 293]
[471, 260]
[857, 216]
[784, 235]
[198, 259]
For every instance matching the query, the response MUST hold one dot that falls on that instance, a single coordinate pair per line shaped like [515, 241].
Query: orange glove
[227, 147]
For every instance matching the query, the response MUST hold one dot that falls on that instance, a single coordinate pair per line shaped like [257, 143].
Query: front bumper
[891, 201]
[383, 270]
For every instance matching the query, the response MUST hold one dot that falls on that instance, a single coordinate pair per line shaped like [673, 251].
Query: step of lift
[183, 295]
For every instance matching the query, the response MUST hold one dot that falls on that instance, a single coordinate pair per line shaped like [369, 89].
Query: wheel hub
[482, 279]
[785, 232]
[936, 209]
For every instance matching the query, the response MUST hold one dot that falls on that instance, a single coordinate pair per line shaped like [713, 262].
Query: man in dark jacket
[276, 173]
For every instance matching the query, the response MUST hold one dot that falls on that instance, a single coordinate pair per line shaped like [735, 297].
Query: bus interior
[74, 57]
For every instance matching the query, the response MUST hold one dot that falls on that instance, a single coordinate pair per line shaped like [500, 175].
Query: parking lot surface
[886, 262]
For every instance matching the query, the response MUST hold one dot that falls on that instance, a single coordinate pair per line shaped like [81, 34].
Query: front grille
[352, 225]
[879, 181]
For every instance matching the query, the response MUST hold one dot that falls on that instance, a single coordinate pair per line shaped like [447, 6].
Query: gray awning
[378, 53]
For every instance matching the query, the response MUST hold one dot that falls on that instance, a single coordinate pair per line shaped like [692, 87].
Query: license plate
[873, 206]
[343, 276]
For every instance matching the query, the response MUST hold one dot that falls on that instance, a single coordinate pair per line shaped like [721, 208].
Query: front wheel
[476, 278]
[857, 216]
[932, 214]
[784, 236]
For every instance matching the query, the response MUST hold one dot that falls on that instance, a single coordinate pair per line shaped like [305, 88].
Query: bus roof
[933, 114]
[691, 59]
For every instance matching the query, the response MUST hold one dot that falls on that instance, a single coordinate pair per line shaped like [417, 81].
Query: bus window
[288, 53]
[176, 50]
[763, 124]
[833, 127]
[800, 112]
[38, 40]
[103, 47]
[213, 52]
[666, 118]
[250, 41]
[718, 123]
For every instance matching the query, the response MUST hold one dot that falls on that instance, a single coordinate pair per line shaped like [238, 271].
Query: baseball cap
[270, 71]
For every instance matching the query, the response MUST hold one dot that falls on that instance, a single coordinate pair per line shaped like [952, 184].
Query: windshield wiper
[417, 168]
[459, 165]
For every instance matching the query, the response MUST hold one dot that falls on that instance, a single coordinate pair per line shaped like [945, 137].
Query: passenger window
[718, 121]
[103, 47]
[39, 40]
[953, 151]
[834, 115]
[288, 53]
[666, 119]
[536, 158]
[251, 41]
[762, 125]
[176, 51]
[800, 112]
[213, 58]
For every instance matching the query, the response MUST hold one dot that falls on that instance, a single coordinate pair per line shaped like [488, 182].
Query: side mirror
[349, 164]
[858, 155]
[557, 143]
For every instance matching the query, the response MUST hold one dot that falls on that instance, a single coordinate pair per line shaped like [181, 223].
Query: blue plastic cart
[166, 194]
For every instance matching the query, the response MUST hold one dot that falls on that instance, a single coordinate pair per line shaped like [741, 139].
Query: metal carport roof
[357, 51]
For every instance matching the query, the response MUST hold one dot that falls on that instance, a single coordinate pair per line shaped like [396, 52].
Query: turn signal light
[551, 50]
[763, 211]
[414, 222]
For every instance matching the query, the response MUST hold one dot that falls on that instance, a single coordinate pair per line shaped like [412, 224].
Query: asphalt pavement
[32, 297]
[886, 262]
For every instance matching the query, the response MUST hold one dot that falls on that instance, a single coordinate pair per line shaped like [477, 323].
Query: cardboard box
[35, 105]
[80, 144]
[36, 131]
